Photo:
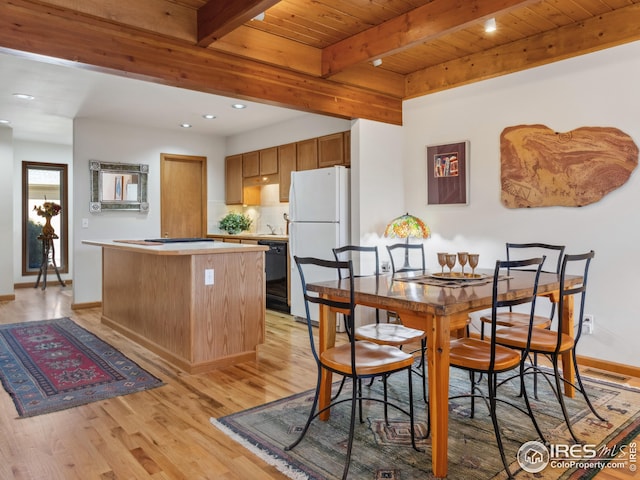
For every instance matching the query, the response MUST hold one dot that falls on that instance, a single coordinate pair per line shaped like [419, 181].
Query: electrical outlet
[208, 276]
[588, 324]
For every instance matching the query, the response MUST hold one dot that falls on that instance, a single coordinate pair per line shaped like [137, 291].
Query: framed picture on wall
[448, 174]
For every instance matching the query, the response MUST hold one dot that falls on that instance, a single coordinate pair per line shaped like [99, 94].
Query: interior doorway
[183, 196]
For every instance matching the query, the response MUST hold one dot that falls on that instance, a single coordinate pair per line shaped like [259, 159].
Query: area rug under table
[52, 365]
[384, 452]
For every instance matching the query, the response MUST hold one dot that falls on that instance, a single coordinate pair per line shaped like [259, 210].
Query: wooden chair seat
[542, 341]
[371, 358]
[389, 334]
[515, 319]
[475, 354]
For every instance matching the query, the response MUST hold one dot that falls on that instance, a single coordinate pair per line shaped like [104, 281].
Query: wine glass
[462, 259]
[451, 261]
[442, 260]
[473, 263]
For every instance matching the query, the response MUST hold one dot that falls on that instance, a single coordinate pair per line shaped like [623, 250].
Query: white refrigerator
[319, 221]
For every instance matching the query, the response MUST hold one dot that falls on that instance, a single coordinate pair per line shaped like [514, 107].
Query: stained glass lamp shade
[407, 226]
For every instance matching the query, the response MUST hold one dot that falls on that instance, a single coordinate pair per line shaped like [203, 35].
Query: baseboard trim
[80, 306]
[7, 298]
[53, 283]
[619, 368]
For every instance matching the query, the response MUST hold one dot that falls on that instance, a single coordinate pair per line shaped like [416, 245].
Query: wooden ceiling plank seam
[430, 21]
[216, 18]
[28, 27]
[608, 30]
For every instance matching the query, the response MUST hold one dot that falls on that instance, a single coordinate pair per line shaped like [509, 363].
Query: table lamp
[407, 226]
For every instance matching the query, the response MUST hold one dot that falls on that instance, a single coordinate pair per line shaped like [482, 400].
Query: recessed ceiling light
[185, 125]
[490, 25]
[209, 116]
[24, 96]
[239, 106]
[4, 122]
[377, 62]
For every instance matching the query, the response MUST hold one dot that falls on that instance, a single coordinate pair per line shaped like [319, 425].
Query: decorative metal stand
[48, 251]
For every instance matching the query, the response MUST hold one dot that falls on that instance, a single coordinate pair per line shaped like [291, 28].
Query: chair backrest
[407, 257]
[535, 266]
[365, 259]
[346, 306]
[574, 265]
[553, 254]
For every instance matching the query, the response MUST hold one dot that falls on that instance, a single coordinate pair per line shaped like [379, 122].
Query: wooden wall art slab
[541, 167]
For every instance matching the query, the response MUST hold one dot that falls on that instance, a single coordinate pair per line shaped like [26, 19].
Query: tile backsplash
[270, 212]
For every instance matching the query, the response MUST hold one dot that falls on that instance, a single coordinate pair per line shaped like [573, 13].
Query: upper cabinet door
[233, 179]
[307, 154]
[331, 150]
[269, 161]
[287, 159]
[251, 164]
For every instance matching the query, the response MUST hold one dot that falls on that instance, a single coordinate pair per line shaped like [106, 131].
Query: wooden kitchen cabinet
[334, 149]
[233, 179]
[269, 161]
[307, 154]
[251, 164]
[287, 155]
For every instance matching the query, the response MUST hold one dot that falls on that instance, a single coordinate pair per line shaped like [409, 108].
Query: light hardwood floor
[163, 433]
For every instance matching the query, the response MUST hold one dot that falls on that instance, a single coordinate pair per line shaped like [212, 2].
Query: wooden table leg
[568, 370]
[438, 339]
[438, 343]
[326, 339]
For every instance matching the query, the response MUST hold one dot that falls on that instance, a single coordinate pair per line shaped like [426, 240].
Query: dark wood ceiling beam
[91, 43]
[216, 18]
[431, 21]
[608, 30]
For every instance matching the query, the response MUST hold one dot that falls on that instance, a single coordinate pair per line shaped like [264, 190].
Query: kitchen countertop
[251, 236]
[188, 248]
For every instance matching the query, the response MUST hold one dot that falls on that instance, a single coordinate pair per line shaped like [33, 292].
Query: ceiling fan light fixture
[490, 25]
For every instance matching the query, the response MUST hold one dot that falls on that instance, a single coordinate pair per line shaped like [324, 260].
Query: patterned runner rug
[384, 452]
[53, 365]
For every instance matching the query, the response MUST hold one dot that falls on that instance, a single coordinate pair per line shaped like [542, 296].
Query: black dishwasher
[277, 274]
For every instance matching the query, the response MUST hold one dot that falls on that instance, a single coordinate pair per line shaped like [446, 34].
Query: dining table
[441, 309]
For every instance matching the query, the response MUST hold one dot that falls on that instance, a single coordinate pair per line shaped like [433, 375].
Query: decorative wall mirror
[118, 186]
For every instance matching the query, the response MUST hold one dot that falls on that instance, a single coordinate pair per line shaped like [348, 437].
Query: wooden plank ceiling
[316, 55]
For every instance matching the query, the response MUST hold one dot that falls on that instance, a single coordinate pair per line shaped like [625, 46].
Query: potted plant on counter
[235, 223]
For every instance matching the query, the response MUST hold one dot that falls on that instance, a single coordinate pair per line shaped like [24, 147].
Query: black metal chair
[509, 318]
[356, 359]
[403, 257]
[488, 358]
[385, 333]
[554, 343]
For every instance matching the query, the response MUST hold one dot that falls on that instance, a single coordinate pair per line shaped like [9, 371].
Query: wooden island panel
[159, 299]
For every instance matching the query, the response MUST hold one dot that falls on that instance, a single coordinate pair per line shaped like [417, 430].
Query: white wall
[8, 248]
[600, 89]
[44, 153]
[108, 142]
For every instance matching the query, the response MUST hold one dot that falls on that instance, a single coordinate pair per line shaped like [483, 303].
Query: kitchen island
[200, 305]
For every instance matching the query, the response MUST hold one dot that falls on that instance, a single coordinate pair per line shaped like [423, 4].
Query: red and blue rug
[52, 365]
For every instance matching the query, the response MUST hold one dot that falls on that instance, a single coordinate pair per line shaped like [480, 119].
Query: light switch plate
[208, 276]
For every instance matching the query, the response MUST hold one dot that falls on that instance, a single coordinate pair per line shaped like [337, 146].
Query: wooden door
[183, 196]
